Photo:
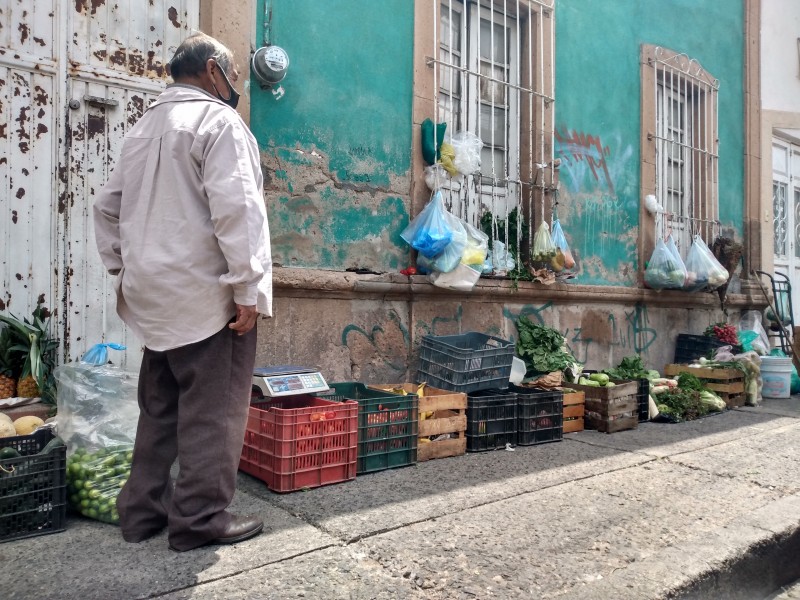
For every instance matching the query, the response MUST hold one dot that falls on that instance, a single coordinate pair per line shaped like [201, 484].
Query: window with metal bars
[493, 77]
[682, 141]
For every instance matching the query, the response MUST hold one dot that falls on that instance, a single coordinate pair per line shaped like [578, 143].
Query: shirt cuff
[245, 295]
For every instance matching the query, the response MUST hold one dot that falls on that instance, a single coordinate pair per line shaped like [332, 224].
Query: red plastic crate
[301, 442]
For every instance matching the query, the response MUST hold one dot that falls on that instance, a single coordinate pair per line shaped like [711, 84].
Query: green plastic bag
[431, 146]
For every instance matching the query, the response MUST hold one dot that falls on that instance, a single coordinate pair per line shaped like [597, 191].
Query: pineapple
[33, 344]
[8, 365]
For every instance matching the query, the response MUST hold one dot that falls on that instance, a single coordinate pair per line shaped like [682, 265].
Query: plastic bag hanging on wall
[544, 250]
[703, 270]
[562, 247]
[662, 270]
[429, 232]
[677, 281]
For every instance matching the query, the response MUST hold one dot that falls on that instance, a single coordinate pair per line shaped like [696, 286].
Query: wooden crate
[573, 411]
[605, 406]
[449, 416]
[728, 384]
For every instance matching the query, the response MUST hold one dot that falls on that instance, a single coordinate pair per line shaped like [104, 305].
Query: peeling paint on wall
[337, 147]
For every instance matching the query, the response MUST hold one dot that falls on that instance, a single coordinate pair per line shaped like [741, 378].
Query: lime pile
[94, 480]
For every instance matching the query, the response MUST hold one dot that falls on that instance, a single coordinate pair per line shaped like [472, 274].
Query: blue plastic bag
[429, 232]
[98, 354]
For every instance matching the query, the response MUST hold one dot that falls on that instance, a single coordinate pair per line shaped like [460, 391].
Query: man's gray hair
[193, 53]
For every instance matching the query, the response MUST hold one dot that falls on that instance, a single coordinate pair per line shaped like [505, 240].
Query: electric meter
[270, 64]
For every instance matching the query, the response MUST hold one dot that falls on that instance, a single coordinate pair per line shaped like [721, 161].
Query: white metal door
[786, 213]
[116, 56]
[29, 133]
[73, 77]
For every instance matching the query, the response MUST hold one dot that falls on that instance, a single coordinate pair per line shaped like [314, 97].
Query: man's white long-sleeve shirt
[182, 221]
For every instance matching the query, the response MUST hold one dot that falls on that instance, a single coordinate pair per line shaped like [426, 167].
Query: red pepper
[411, 271]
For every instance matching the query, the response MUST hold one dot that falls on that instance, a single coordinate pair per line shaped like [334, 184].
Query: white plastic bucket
[776, 373]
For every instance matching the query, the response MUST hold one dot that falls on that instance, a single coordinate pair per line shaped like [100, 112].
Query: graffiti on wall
[381, 339]
[585, 159]
[631, 334]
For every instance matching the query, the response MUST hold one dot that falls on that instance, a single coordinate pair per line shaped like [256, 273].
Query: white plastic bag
[467, 148]
[463, 278]
[435, 176]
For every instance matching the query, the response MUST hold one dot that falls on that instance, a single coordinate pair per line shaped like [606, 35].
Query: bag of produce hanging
[544, 250]
[449, 258]
[562, 247]
[662, 270]
[477, 247]
[98, 412]
[676, 256]
[703, 270]
[429, 232]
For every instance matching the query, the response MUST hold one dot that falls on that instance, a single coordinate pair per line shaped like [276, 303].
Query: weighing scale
[288, 380]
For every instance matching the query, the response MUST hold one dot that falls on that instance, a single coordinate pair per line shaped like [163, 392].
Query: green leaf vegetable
[542, 348]
[631, 367]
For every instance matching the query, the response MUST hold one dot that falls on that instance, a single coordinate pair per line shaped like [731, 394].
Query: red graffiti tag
[578, 146]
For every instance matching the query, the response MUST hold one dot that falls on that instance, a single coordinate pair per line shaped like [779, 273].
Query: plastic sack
[98, 354]
[678, 261]
[544, 250]
[431, 138]
[462, 278]
[477, 247]
[429, 232]
[752, 335]
[447, 156]
[98, 412]
[662, 270]
[435, 176]
[703, 270]
[467, 147]
[498, 260]
[448, 259]
[561, 244]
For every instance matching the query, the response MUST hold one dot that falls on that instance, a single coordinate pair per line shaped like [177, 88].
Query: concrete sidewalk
[705, 509]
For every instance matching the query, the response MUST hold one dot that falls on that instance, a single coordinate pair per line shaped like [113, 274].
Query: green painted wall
[598, 116]
[337, 145]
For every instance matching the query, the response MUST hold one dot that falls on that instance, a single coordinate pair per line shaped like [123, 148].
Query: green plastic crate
[387, 426]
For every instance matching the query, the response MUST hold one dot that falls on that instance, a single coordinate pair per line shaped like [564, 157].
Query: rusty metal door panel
[28, 28]
[96, 128]
[28, 174]
[128, 38]
[117, 53]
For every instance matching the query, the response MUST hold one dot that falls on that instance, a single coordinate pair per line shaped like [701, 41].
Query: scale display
[288, 380]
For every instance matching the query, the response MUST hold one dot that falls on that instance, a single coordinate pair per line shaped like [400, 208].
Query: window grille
[494, 77]
[686, 147]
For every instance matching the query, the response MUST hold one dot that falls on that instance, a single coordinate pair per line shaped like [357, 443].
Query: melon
[27, 425]
[6, 418]
[7, 429]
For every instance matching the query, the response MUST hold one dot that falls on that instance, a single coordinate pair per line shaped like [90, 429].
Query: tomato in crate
[297, 442]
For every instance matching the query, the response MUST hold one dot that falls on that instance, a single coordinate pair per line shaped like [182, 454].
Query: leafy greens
[542, 348]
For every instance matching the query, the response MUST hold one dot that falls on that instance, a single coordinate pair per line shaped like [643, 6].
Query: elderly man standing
[181, 223]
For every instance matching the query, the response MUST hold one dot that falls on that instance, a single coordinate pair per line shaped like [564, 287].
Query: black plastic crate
[688, 348]
[539, 415]
[465, 363]
[491, 419]
[643, 399]
[388, 426]
[33, 487]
